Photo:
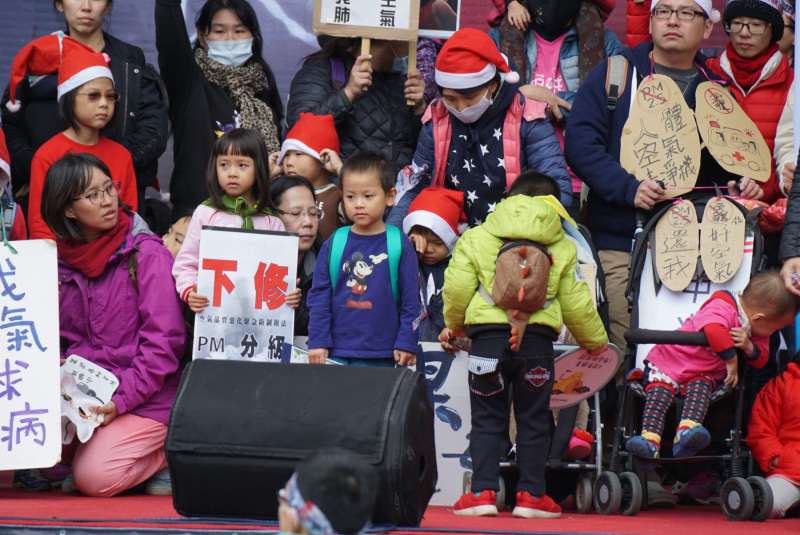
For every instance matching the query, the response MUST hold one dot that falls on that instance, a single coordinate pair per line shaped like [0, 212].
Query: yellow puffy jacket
[521, 217]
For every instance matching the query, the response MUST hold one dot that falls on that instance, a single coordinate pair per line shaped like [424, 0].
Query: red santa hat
[79, 65]
[310, 135]
[470, 59]
[438, 210]
[5, 160]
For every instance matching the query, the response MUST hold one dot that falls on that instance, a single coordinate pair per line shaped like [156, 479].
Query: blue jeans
[365, 363]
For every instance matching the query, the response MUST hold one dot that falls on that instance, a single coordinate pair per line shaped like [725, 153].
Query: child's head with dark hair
[239, 167]
[367, 190]
[534, 184]
[341, 488]
[78, 191]
[768, 304]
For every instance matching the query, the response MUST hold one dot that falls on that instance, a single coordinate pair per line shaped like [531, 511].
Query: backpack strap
[394, 248]
[338, 243]
[616, 80]
[338, 77]
[512, 143]
[442, 130]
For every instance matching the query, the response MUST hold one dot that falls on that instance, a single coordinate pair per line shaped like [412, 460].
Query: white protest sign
[378, 19]
[30, 408]
[84, 385]
[246, 275]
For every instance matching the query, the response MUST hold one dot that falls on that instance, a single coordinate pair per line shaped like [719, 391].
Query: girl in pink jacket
[238, 184]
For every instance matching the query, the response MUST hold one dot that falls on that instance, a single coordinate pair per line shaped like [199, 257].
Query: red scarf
[91, 258]
[747, 71]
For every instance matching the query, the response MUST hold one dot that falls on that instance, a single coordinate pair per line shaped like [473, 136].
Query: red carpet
[22, 509]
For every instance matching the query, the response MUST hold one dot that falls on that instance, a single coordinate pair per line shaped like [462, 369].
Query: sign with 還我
[377, 19]
[30, 406]
[660, 140]
[676, 245]
[246, 276]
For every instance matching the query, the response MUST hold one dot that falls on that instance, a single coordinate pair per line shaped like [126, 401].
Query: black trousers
[528, 374]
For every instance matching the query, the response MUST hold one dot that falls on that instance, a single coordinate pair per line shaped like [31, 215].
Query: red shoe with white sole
[483, 503]
[529, 506]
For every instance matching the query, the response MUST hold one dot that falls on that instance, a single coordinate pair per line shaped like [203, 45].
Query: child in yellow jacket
[523, 215]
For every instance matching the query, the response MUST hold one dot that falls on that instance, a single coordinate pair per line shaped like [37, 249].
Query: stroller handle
[648, 336]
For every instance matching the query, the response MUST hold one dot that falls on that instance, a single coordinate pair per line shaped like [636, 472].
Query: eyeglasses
[756, 27]
[95, 196]
[298, 213]
[685, 14]
[95, 96]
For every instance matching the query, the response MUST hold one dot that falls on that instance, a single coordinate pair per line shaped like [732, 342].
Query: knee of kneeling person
[93, 481]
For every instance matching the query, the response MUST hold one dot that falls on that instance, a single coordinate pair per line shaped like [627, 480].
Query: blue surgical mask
[470, 114]
[231, 53]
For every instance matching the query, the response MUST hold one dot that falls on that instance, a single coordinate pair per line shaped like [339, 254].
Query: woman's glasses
[298, 213]
[95, 196]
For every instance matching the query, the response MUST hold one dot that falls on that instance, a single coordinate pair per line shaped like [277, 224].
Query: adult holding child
[219, 83]
[118, 309]
[31, 116]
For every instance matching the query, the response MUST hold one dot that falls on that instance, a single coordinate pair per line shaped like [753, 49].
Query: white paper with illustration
[84, 385]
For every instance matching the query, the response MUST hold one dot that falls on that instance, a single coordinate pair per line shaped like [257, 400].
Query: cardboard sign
[721, 239]
[659, 139]
[730, 135]
[246, 275]
[578, 375]
[378, 19]
[677, 243]
[30, 405]
[439, 19]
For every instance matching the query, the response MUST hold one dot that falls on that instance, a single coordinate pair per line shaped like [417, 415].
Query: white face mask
[231, 53]
[470, 114]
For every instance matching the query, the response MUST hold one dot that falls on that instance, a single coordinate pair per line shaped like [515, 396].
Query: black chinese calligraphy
[722, 234]
[676, 246]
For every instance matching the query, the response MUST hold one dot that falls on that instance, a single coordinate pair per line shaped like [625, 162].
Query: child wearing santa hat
[481, 134]
[311, 150]
[86, 99]
[432, 226]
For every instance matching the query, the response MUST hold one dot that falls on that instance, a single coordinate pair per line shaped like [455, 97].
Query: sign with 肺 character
[377, 19]
[30, 406]
[246, 276]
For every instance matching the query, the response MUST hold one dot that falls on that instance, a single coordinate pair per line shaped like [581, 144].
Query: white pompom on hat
[470, 59]
[712, 14]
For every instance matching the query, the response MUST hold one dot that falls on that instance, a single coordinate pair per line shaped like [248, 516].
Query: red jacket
[763, 103]
[775, 425]
[637, 28]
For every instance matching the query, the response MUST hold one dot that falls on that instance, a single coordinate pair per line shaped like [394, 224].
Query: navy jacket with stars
[475, 164]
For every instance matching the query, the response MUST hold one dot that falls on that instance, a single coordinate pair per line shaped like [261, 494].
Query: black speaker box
[238, 429]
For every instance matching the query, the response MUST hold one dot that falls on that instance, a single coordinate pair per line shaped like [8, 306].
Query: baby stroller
[622, 489]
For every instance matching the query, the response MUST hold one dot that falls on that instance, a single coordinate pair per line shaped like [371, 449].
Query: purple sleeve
[410, 306]
[319, 303]
[162, 333]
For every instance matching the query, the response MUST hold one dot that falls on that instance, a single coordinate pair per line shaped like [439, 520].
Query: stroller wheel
[762, 498]
[607, 494]
[737, 499]
[632, 494]
[583, 494]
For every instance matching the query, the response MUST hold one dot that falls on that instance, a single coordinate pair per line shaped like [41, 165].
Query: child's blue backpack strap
[394, 249]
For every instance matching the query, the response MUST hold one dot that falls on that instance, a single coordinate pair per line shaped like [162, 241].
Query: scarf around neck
[242, 84]
[91, 258]
[747, 71]
[240, 207]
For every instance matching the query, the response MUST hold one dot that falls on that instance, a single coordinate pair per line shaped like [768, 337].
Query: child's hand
[293, 298]
[275, 168]
[415, 92]
[331, 160]
[107, 411]
[518, 15]
[541, 94]
[318, 356]
[420, 242]
[732, 378]
[741, 340]
[404, 358]
[447, 336]
[197, 303]
[599, 351]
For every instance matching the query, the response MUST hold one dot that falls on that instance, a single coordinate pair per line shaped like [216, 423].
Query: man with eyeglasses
[758, 73]
[594, 132]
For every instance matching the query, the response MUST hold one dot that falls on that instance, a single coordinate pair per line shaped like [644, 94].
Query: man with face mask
[480, 135]
[594, 133]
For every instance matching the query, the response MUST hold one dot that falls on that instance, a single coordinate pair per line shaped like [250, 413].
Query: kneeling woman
[118, 309]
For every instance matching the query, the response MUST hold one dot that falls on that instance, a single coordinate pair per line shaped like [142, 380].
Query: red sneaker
[532, 507]
[483, 503]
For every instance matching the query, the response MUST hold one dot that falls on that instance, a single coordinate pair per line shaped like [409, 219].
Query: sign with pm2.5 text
[246, 276]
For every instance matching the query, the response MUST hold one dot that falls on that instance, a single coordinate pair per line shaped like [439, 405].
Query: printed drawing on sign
[248, 275]
[732, 138]
[660, 140]
[30, 415]
[439, 18]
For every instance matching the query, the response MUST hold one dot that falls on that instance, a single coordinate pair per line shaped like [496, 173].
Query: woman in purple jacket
[118, 309]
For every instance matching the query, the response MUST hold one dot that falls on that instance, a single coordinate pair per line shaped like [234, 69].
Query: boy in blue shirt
[364, 303]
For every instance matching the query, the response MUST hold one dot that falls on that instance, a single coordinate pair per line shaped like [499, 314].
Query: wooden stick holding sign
[412, 64]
